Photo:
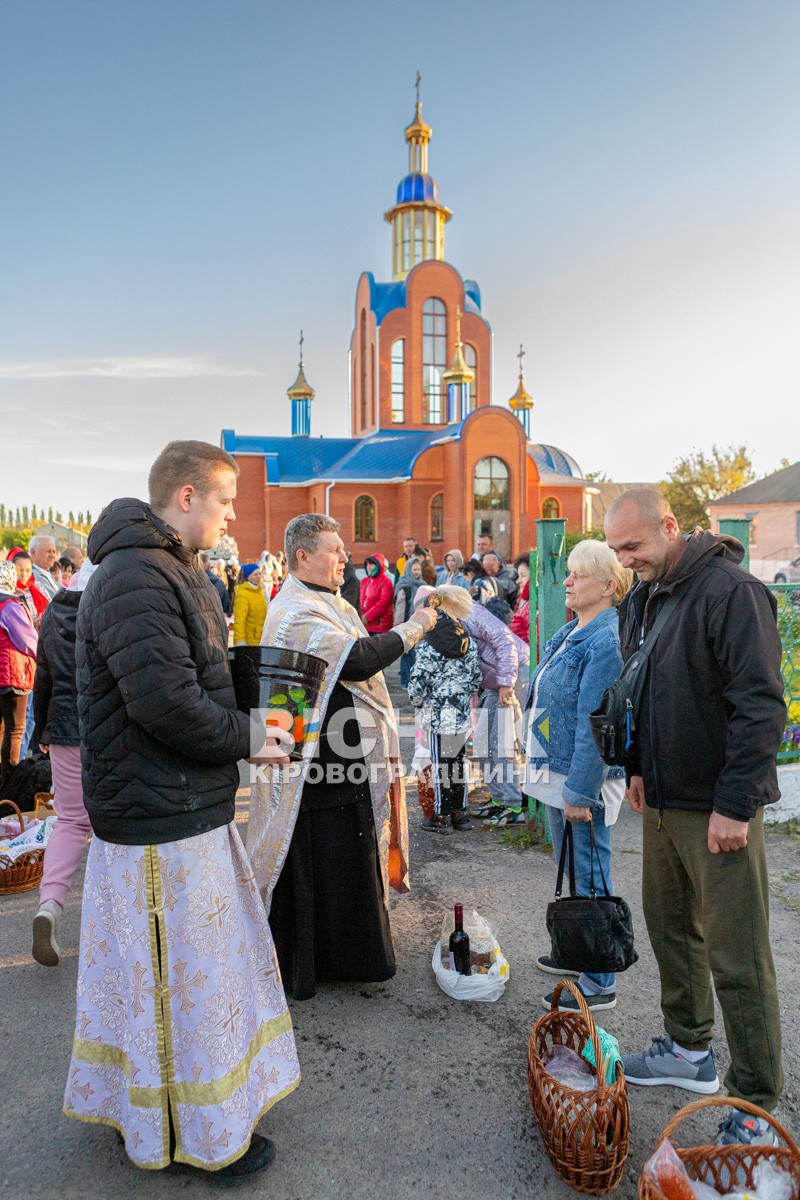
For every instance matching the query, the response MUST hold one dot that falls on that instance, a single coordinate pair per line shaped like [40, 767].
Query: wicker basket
[727, 1168]
[22, 874]
[586, 1134]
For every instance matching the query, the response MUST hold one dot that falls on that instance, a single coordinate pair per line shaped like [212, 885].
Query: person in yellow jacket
[249, 608]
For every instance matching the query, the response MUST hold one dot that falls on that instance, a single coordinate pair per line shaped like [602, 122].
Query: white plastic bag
[482, 940]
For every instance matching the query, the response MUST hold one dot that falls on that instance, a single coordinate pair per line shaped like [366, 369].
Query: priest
[328, 837]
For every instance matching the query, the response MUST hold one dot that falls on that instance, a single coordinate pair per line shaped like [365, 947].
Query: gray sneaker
[661, 1064]
[740, 1129]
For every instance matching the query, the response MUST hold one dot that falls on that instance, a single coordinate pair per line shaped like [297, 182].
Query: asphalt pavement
[405, 1092]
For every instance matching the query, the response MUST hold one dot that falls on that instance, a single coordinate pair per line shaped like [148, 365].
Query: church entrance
[491, 503]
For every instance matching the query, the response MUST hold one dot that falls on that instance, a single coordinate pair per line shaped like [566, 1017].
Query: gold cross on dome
[520, 356]
[301, 345]
[418, 82]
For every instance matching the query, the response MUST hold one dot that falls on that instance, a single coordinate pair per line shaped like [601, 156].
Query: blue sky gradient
[185, 184]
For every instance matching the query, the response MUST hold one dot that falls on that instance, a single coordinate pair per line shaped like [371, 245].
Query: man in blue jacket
[708, 733]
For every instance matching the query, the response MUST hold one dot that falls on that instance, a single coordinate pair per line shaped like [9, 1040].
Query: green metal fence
[788, 597]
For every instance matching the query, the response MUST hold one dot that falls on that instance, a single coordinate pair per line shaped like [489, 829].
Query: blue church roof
[417, 187]
[385, 455]
[552, 461]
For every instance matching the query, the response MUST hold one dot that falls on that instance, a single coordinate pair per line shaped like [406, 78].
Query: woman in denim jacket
[563, 769]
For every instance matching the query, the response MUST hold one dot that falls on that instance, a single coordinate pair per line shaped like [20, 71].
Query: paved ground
[405, 1092]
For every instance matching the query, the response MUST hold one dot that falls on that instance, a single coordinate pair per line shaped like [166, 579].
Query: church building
[429, 455]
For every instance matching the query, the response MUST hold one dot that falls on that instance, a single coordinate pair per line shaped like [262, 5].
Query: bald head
[641, 529]
[648, 504]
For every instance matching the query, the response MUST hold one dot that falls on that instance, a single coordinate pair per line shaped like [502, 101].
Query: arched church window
[398, 380]
[364, 519]
[434, 359]
[550, 508]
[471, 359]
[437, 518]
[491, 488]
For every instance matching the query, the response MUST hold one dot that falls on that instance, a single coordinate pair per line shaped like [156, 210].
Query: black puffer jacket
[55, 695]
[712, 715]
[160, 732]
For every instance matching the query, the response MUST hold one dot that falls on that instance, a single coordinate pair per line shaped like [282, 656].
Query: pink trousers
[72, 829]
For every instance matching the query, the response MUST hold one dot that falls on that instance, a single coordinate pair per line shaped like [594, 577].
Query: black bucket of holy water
[284, 684]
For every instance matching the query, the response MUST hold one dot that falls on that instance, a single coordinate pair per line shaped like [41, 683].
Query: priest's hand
[426, 617]
[278, 744]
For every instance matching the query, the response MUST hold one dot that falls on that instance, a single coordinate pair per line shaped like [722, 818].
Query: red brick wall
[249, 528]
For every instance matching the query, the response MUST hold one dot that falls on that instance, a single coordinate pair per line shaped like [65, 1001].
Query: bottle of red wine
[459, 945]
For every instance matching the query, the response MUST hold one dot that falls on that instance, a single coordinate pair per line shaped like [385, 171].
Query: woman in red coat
[377, 596]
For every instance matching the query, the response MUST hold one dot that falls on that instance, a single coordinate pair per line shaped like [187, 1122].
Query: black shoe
[434, 824]
[568, 1003]
[461, 822]
[256, 1158]
[550, 967]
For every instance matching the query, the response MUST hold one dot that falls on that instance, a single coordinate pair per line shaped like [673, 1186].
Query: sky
[186, 184]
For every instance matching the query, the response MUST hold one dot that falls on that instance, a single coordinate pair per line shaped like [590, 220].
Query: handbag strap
[595, 855]
[566, 848]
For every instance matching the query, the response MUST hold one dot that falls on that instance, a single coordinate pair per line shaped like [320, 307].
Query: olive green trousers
[708, 918]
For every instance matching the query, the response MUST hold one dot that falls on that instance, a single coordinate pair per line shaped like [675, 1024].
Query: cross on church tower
[520, 356]
[301, 347]
[418, 82]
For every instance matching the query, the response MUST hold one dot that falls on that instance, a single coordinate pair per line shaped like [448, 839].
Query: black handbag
[589, 933]
[613, 724]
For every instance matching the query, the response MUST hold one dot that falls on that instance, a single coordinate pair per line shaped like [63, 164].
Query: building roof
[781, 487]
[552, 461]
[383, 456]
[388, 454]
[386, 297]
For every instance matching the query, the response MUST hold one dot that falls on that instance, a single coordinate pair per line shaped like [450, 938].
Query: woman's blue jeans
[582, 849]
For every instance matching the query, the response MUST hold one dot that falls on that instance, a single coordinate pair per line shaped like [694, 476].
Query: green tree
[25, 517]
[71, 518]
[59, 518]
[17, 519]
[88, 517]
[698, 479]
[34, 514]
[2, 514]
[50, 513]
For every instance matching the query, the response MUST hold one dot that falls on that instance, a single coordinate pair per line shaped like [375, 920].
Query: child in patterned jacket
[444, 677]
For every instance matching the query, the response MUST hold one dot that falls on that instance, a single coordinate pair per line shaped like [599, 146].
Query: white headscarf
[79, 581]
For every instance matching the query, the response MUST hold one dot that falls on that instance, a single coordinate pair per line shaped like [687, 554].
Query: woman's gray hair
[598, 559]
[302, 533]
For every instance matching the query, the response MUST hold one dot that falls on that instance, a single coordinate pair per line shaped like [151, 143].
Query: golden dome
[521, 399]
[301, 388]
[459, 371]
[418, 130]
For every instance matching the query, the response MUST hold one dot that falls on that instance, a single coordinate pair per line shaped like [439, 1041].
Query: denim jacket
[571, 685]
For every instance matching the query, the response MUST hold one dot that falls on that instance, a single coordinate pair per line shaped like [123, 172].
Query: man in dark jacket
[351, 586]
[179, 991]
[708, 734]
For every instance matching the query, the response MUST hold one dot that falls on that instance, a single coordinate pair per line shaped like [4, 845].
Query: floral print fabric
[181, 1008]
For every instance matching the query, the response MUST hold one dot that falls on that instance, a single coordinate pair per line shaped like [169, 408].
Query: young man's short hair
[181, 463]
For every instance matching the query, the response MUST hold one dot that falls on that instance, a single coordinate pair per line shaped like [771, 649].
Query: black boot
[257, 1157]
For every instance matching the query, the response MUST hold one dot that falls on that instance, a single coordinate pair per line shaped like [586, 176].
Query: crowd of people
[123, 659]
